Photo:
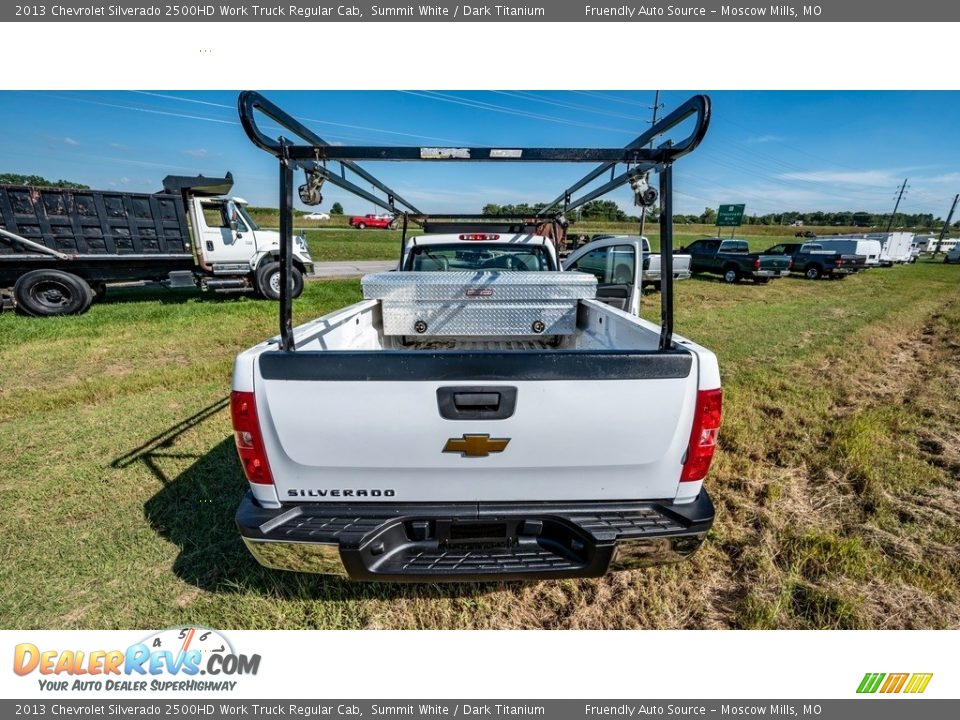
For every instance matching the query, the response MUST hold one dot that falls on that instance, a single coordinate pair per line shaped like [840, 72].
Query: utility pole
[656, 106]
[897, 205]
[946, 225]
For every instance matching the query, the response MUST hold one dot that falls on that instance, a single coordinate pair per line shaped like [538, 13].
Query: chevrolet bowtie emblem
[475, 445]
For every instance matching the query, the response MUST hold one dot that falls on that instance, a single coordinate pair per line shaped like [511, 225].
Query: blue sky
[774, 151]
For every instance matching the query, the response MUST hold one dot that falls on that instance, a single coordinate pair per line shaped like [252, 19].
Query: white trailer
[895, 247]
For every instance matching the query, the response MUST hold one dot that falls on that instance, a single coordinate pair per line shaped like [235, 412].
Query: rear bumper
[470, 541]
[769, 273]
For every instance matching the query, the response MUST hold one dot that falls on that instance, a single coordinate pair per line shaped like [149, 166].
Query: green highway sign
[730, 215]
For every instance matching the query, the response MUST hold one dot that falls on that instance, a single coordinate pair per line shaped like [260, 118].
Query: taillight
[839, 261]
[479, 236]
[246, 433]
[703, 436]
[789, 264]
[756, 264]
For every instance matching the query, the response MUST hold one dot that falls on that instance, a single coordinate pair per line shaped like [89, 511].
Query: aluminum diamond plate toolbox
[479, 303]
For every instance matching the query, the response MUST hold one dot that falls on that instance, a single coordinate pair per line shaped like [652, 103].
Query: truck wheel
[731, 275]
[44, 293]
[268, 281]
[813, 272]
[361, 226]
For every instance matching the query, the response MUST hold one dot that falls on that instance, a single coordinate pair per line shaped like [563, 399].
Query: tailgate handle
[476, 403]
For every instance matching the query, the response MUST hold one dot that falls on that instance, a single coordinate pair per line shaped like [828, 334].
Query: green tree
[708, 216]
[18, 179]
[336, 209]
[603, 210]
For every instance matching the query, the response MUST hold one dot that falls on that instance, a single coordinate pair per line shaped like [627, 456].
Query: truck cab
[228, 238]
[232, 253]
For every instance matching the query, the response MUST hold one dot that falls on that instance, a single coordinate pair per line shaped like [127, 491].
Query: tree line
[609, 210]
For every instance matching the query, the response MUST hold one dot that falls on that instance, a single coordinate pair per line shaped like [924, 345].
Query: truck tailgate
[370, 426]
[774, 262]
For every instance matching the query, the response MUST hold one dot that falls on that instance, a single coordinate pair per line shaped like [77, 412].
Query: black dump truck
[61, 248]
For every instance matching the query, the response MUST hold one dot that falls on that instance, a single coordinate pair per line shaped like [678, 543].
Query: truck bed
[360, 327]
[92, 223]
[352, 413]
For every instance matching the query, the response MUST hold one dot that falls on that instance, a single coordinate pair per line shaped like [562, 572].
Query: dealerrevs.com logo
[178, 659]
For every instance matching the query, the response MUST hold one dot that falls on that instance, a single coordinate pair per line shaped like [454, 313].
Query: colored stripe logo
[912, 683]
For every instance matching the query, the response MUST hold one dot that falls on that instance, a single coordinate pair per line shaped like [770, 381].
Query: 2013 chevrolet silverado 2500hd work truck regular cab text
[421, 433]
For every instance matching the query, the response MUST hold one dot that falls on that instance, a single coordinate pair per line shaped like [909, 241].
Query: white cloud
[762, 139]
[874, 178]
[70, 141]
[945, 179]
[124, 181]
[197, 152]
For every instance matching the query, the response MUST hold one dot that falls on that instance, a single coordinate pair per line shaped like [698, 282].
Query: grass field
[836, 483]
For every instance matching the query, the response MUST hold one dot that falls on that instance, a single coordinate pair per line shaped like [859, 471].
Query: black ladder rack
[313, 156]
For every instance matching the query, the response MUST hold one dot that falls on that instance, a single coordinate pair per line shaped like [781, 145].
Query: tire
[361, 226]
[813, 272]
[45, 293]
[268, 281]
[731, 275]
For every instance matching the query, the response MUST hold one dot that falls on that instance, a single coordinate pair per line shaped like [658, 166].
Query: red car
[372, 221]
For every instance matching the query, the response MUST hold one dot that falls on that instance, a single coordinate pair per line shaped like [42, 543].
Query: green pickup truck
[733, 261]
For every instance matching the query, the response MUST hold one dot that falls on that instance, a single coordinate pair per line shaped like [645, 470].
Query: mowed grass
[835, 483]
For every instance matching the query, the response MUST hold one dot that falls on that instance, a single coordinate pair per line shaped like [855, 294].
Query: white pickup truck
[651, 276]
[483, 413]
[398, 442]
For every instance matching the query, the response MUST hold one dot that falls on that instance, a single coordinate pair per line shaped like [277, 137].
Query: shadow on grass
[195, 511]
[122, 295]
